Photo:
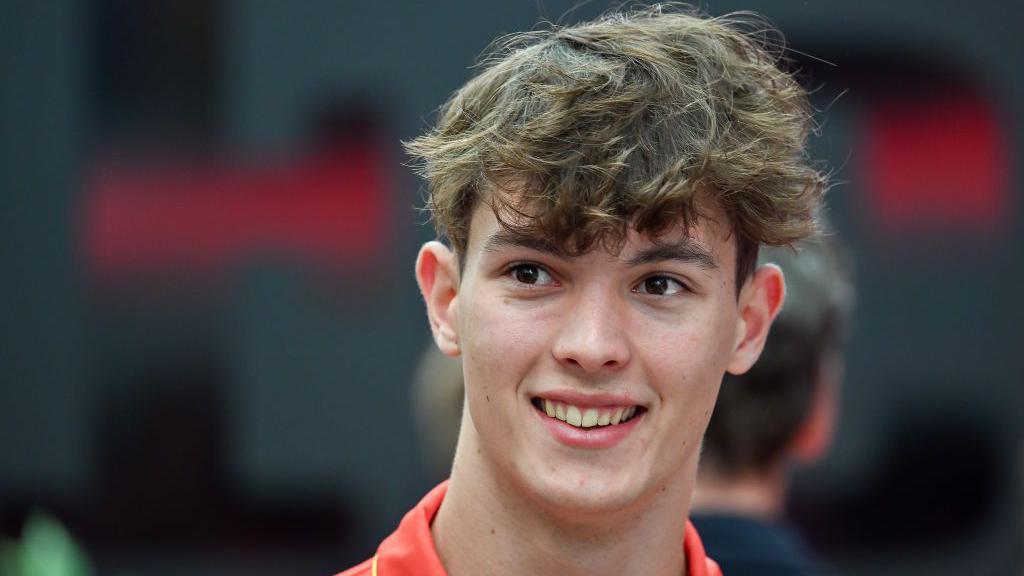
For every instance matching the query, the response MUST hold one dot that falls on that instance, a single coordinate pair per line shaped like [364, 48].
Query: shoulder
[748, 546]
[363, 569]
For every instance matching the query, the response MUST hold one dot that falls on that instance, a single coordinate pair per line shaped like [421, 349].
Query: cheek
[688, 359]
[699, 341]
[499, 345]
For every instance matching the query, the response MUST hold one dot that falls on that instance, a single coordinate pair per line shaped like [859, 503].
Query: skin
[660, 328]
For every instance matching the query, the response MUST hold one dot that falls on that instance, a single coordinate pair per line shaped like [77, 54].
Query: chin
[574, 493]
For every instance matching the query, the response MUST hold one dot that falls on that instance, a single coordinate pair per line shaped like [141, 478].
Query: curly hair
[582, 132]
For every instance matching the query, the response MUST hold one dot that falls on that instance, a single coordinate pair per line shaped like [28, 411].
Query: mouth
[587, 417]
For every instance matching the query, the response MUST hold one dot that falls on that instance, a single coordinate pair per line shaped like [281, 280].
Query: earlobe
[759, 303]
[437, 276]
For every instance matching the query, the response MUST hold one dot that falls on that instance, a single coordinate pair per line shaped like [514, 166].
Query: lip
[596, 438]
[600, 400]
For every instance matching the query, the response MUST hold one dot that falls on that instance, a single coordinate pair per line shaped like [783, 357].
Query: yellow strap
[373, 567]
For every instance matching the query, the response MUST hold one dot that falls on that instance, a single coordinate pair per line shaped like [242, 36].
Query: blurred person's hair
[759, 414]
[582, 132]
[438, 393]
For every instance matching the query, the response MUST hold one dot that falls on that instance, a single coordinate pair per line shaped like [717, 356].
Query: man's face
[590, 380]
[641, 338]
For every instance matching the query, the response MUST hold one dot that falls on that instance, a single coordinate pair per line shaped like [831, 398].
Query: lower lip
[596, 437]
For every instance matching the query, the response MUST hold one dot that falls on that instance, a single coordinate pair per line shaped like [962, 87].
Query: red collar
[409, 550]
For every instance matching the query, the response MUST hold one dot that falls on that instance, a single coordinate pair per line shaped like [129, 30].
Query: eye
[531, 274]
[660, 286]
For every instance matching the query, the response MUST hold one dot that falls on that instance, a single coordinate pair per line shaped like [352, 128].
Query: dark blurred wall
[44, 108]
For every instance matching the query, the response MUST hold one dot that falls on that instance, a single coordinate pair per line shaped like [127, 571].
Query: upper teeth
[588, 417]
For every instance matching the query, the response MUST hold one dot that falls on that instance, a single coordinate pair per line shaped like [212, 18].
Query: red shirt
[409, 550]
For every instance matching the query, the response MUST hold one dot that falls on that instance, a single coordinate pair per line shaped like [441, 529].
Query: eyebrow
[509, 239]
[685, 250]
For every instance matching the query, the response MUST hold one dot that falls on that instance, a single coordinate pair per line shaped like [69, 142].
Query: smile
[584, 417]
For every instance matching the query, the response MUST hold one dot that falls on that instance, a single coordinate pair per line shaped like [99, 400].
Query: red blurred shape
[332, 207]
[936, 164]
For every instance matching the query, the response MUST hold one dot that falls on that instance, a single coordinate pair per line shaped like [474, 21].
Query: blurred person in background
[605, 189]
[779, 414]
[438, 394]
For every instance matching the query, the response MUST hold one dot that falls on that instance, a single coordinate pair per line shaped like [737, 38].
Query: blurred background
[210, 323]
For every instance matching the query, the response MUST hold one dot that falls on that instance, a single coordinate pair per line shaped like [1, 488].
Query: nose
[593, 337]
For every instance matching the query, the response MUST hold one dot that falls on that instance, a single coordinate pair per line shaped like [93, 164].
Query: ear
[759, 302]
[437, 276]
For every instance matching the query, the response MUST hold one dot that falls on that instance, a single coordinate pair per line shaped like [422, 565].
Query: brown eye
[660, 286]
[531, 274]
[656, 285]
[526, 274]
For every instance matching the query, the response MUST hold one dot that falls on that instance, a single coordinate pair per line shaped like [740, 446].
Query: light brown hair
[586, 130]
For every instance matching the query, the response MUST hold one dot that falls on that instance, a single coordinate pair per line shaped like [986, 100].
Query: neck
[757, 495]
[487, 525]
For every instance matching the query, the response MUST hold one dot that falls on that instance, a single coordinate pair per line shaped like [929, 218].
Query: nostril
[591, 365]
[592, 355]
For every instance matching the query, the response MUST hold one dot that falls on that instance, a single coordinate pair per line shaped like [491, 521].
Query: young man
[778, 414]
[604, 189]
